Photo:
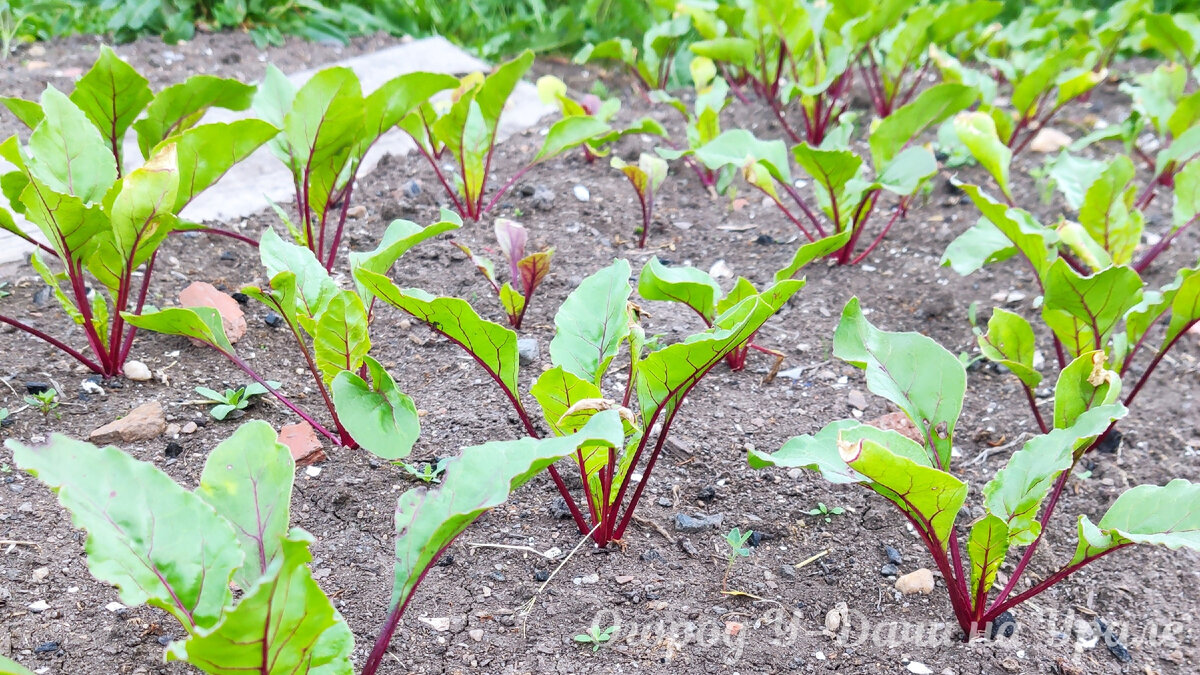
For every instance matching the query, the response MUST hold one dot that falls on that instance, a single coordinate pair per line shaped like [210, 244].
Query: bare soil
[673, 614]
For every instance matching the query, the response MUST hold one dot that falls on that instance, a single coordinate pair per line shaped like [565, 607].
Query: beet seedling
[466, 131]
[1093, 301]
[844, 191]
[702, 123]
[328, 128]
[646, 177]
[652, 64]
[234, 529]
[592, 324]
[928, 384]
[525, 271]
[552, 90]
[331, 328]
[104, 223]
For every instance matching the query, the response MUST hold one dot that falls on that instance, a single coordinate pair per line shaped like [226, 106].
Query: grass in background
[491, 28]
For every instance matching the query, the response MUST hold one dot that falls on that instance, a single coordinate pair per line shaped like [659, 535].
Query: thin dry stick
[528, 606]
[813, 559]
[511, 548]
[988, 452]
[659, 528]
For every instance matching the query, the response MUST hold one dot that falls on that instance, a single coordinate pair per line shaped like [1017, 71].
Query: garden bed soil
[667, 583]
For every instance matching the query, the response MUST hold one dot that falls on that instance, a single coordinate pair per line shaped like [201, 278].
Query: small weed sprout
[596, 636]
[738, 542]
[45, 401]
[826, 512]
[233, 401]
[426, 472]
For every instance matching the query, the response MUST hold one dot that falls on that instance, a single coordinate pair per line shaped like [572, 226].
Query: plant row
[613, 393]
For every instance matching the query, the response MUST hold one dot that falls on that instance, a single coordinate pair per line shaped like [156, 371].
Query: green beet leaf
[112, 94]
[493, 346]
[199, 323]
[207, 152]
[691, 286]
[1108, 214]
[1016, 493]
[930, 496]
[977, 131]
[557, 391]
[1084, 384]
[986, 546]
[665, 377]
[1147, 514]
[341, 341]
[914, 372]
[247, 480]
[155, 541]
[284, 625]
[819, 452]
[399, 238]
[180, 106]
[1083, 311]
[68, 154]
[592, 323]
[428, 520]
[1010, 341]
[932, 106]
[812, 251]
[378, 416]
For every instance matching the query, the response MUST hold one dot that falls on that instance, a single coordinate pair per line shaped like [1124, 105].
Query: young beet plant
[928, 384]
[234, 529]
[331, 327]
[893, 66]
[592, 324]
[652, 64]
[1109, 225]
[553, 91]
[328, 128]
[702, 123]
[646, 177]
[1095, 303]
[526, 271]
[844, 192]
[101, 222]
[787, 53]
[466, 131]
[1165, 117]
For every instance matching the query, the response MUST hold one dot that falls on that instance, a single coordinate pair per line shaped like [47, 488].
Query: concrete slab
[247, 187]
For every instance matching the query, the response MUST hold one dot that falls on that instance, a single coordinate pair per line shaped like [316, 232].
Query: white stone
[39, 606]
[137, 371]
[582, 194]
[919, 668]
[441, 623]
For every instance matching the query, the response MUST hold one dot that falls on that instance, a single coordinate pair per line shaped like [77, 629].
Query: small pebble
[582, 194]
[137, 371]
